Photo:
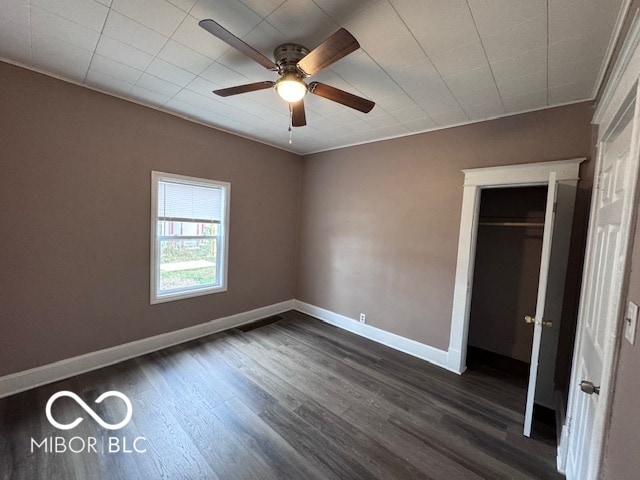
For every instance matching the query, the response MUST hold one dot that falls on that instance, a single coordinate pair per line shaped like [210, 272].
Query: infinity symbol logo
[88, 409]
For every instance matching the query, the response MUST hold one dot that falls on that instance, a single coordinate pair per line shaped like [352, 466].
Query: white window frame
[223, 248]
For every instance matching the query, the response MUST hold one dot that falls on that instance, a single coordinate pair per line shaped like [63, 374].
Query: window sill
[170, 297]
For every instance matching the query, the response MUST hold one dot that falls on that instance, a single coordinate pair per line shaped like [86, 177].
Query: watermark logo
[102, 444]
[88, 409]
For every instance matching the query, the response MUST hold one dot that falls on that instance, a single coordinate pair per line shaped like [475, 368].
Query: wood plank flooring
[295, 399]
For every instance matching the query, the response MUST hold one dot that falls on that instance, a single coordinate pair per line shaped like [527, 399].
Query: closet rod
[513, 224]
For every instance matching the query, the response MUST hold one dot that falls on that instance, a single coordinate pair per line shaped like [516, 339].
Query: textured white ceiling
[427, 64]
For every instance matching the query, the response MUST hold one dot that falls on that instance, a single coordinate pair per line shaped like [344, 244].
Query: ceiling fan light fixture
[294, 63]
[291, 88]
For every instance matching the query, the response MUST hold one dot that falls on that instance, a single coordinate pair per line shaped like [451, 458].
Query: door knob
[589, 388]
[547, 324]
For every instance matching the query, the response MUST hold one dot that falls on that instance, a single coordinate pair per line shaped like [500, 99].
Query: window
[189, 230]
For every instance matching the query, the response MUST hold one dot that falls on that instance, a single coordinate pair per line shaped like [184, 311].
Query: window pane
[187, 263]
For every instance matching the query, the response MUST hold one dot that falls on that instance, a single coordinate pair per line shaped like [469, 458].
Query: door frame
[621, 93]
[476, 179]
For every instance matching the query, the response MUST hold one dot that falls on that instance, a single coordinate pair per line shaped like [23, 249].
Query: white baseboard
[35, 377]
[425, 352]
[21, 381]
[455, 363]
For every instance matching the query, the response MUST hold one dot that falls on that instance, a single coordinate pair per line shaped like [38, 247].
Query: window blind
[189, 203]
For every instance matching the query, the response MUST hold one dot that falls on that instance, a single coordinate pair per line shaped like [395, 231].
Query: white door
[538, 320]
[545, 394]
[601, 300]
[551, 282]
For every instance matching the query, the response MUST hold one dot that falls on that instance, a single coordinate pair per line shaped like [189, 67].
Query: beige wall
[75, 170]
[380, 222]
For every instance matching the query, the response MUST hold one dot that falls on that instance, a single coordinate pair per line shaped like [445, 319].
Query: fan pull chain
[290, 124]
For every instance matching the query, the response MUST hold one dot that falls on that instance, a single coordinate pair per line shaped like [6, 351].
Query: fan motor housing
[287, 56]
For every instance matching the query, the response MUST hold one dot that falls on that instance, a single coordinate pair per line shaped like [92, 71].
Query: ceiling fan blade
[226, 36]
[298, 117]
[250, 87]
[340, 96]
[338, 45]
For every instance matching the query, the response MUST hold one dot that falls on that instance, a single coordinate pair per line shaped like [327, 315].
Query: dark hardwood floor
[294, 399]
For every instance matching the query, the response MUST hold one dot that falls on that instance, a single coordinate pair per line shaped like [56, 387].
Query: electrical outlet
[630, 321]
[363, 317]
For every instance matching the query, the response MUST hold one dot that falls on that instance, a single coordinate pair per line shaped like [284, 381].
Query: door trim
[474, 181]
[623, 77]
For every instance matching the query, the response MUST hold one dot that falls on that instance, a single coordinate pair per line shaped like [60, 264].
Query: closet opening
[504, 291]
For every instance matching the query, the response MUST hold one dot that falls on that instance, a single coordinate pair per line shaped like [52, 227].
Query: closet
[511, 274]
[505, 283]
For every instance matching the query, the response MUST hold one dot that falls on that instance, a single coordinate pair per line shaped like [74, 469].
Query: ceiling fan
[294, 63]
